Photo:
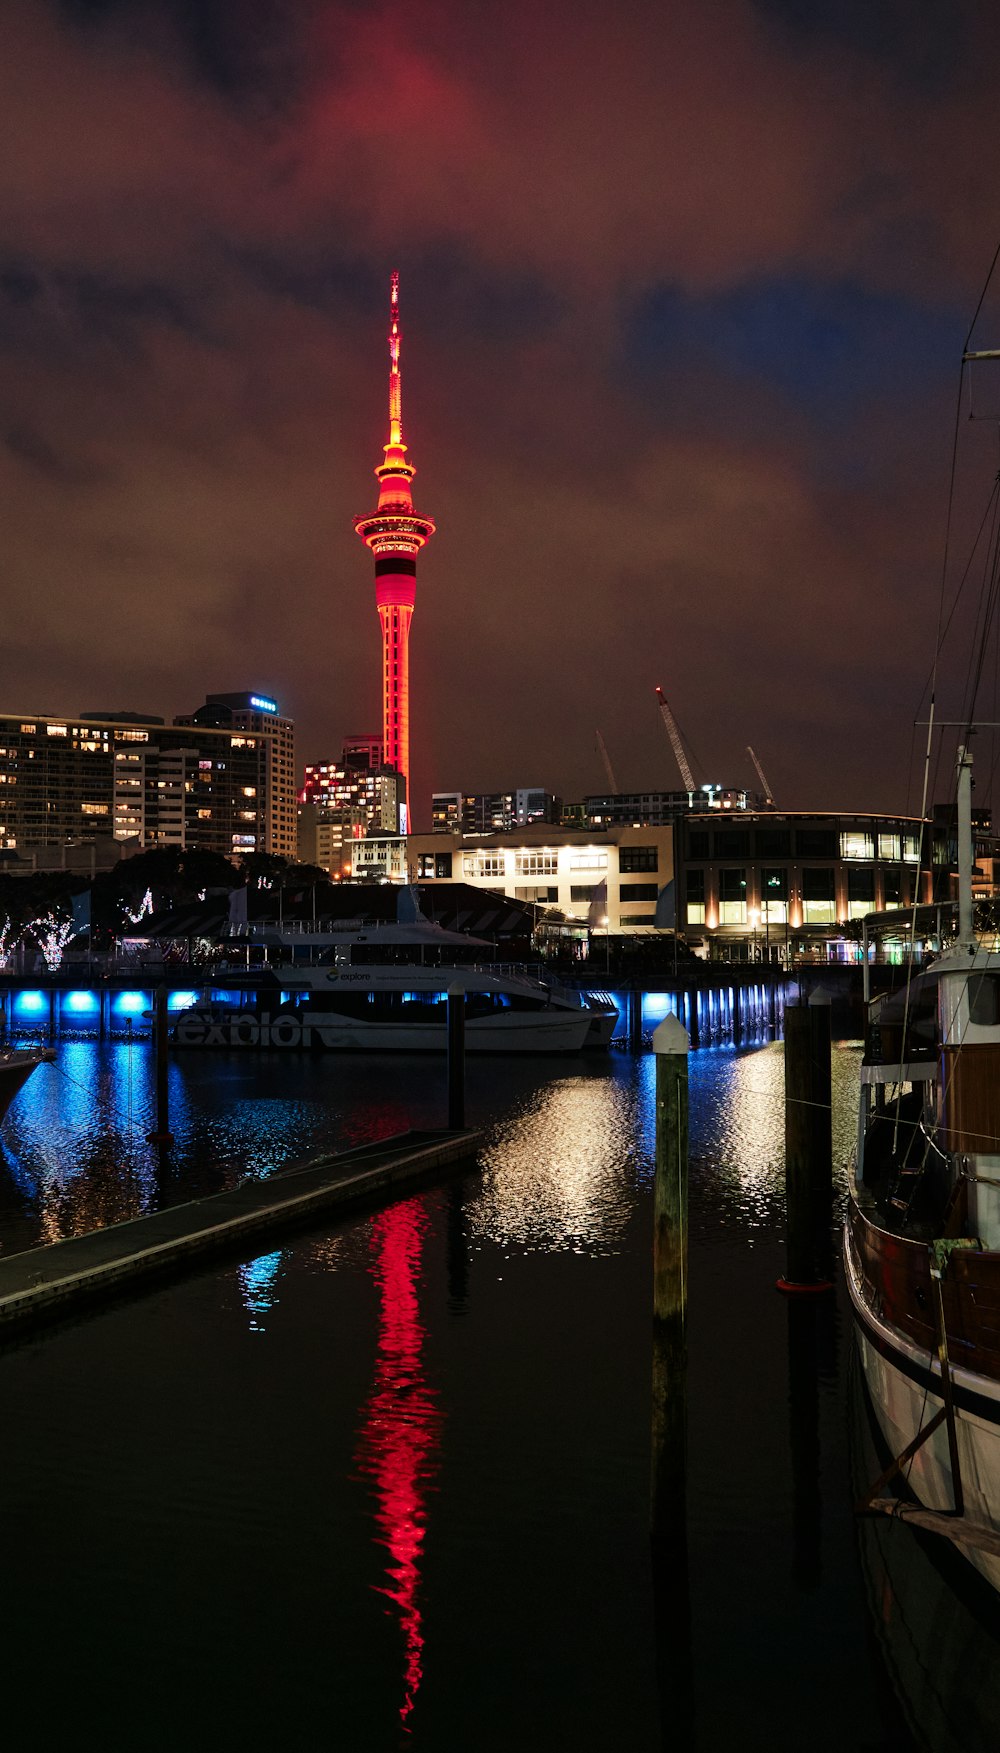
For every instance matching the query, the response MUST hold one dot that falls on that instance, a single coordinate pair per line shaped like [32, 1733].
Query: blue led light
[30, 1002]
[263, 704]
[85, 1002]
[131, 1003]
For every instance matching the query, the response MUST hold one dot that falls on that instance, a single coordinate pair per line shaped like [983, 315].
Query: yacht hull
[903, 1378]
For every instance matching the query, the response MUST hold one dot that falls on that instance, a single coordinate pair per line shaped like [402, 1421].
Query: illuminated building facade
[620, 871]
[769, 885]
[343, 801]
[80, 780]
[395, 533]
[258, 716]
[487, 812]
[655, 807]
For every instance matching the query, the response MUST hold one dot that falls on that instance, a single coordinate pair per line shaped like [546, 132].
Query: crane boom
[675, 742]
[762, 776]
[606, 758]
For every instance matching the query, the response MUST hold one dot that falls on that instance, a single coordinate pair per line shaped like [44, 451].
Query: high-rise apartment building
[257, 715]
[96, 775]
[491, 812]
[343, 801]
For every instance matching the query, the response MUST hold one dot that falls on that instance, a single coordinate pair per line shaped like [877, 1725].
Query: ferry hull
[504, 1032]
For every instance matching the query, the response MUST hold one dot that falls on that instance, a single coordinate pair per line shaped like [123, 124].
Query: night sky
[684, 292]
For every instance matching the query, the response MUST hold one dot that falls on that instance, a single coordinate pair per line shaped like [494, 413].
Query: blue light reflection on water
[257, 1393]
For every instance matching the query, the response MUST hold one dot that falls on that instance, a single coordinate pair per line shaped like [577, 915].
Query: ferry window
[857, 843]
[984, 1000]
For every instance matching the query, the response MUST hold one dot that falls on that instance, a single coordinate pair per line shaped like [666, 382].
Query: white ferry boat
[384, 988]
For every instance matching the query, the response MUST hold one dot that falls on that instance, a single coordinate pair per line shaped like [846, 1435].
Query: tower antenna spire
[395, 375]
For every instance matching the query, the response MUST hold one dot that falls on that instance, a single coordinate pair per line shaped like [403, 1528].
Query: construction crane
[606, 758]
[768, 795]
[675, 742]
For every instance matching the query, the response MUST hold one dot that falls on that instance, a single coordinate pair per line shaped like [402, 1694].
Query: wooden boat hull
[891, 1292]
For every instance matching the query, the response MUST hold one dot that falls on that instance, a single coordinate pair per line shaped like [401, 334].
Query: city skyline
[682, 358]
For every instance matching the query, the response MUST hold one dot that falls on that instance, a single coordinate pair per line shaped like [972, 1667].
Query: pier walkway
[50, 1282]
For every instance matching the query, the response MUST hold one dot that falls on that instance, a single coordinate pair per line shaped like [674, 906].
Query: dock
[51, 1282]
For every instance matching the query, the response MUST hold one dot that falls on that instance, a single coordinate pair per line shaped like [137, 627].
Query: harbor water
[386, 1484]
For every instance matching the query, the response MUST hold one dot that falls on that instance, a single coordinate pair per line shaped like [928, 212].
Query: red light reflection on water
[399, 1437]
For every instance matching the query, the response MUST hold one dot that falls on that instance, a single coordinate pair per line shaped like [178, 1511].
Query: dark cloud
[683, 293]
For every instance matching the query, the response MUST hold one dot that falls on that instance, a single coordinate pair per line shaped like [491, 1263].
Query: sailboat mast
[965, 931]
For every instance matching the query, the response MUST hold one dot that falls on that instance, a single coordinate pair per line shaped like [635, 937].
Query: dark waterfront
[387, 1484]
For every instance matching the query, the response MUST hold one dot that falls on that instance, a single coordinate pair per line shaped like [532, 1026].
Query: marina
[348, 1447]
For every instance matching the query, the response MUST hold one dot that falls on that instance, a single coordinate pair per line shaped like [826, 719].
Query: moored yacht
[922, 1235]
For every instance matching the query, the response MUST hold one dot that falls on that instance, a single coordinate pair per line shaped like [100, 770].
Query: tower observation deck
[395, 533]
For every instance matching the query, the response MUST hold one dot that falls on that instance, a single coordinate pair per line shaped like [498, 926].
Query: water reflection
[400, 1434]
[558, 1173]
[258, 1281]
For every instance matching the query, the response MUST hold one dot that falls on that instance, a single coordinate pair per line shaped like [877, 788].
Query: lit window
[857, 843]
[890, 847]
[55, 730]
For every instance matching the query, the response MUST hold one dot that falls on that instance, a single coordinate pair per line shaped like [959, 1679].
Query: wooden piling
[456, 1058]
[670, 1268]
[162, 1133]
[808, 1148]
[634, 1002]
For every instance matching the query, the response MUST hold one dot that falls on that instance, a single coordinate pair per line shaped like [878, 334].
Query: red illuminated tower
[395, 534]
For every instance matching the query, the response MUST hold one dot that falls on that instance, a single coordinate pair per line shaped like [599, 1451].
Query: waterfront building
[78, 780]
[258, 715]
[775, 883]
[395, 533]
[616, 875]
[493, 812]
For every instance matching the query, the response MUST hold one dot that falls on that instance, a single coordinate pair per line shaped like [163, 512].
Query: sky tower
[395, 534]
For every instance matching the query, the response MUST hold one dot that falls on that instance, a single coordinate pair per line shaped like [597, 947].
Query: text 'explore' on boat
[384, 988]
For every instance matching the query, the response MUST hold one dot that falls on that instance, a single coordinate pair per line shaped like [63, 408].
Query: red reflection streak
[399, 1436]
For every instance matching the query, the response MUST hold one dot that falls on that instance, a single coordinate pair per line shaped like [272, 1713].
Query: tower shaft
[395, 533]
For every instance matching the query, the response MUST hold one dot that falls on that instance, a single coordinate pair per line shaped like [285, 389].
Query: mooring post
[808, 1147]
[635, 1022]
[162, 1133]
[670, 1270]
[456, 1058]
